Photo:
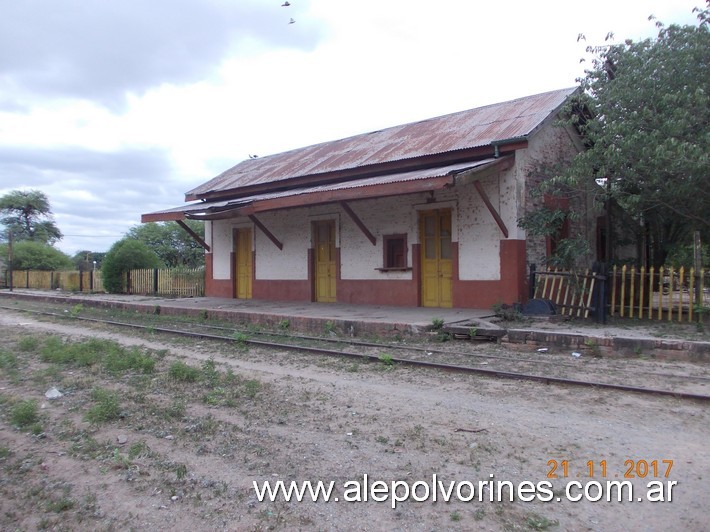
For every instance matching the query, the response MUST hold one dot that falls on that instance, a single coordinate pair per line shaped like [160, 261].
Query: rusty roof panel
[466, 129]
[211, 207]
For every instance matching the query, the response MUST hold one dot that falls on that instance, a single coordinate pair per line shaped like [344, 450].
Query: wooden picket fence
[179, 282]
[71, 281]
[666, 293]
[571, 292]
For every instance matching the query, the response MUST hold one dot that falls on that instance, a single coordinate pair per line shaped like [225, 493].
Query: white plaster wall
[221, 231]
[293, 229]
[473, 228]
[479, 235]
[385, 216]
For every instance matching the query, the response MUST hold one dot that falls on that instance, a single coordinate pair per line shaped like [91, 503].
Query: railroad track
[449, 360]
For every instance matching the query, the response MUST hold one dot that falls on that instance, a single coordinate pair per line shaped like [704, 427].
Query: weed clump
[182, 372]
[24, 413]
[106, 407]
[112, 356]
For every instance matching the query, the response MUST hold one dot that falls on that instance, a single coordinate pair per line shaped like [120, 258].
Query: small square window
[395, 251]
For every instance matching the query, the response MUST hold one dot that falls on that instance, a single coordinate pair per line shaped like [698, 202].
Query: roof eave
[497, 148]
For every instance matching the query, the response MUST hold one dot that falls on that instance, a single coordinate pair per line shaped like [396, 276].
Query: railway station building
[420, 214]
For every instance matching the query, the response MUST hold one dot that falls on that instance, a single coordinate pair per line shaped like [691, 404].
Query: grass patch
[182, 372]
[538, 522]
[110, 355]
[24, 413]
[251, 388]
[28, 344]
[240, 338]
[60, 505]
[81, 354]
[387, 360]
[8, 363]
[176, 410]
[119, 360]
[106, 407]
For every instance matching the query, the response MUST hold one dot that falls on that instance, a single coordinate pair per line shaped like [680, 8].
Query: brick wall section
[590, 346]
[555, 143]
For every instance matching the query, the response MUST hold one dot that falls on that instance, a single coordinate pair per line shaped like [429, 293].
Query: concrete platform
[346, 319]
[392, 322]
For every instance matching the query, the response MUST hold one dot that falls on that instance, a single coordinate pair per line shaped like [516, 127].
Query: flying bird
[285, 4]
[291, 21]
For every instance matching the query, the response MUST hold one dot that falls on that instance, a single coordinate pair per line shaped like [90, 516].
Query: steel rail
[428, 350]
[373, 358]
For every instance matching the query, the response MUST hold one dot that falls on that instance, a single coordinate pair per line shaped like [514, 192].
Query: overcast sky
[117, 108]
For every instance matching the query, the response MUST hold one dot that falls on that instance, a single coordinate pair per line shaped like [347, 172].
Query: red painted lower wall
[216, 287]
[400, 293]
[282, 290]
[511, 288]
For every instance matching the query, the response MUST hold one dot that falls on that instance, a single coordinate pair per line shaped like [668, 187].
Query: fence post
[698, 262]
[128, 282]
[531, 281]
[155, 280]
[599, 271]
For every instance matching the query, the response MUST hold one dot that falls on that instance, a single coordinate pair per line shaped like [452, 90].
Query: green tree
[644, 112]
[27, 214]
[126, 254]
[29, 255]
[172, 243]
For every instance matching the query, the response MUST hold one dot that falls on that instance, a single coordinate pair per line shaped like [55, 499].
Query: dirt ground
[182, 454]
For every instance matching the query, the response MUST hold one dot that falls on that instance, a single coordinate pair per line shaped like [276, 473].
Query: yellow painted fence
[71, 281]
[179, 282]
[666, 293]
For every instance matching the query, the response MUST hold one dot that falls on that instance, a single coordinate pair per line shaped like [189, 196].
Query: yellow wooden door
[436, 263]
[244, 263]
[325, 263]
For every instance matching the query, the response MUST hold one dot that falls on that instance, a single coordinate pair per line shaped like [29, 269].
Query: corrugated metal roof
[373, 181]
[466, 129]
[212, 207]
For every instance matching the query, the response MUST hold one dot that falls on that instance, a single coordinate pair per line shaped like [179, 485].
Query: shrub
[124, 255]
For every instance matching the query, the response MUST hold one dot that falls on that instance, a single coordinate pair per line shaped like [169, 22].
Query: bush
[124, 255]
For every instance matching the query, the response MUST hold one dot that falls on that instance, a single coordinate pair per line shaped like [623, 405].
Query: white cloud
[116, 109]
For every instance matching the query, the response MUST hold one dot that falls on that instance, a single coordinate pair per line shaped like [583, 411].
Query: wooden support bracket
[359, 223]
[264, 230]
[194, 235]
[491, 209]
